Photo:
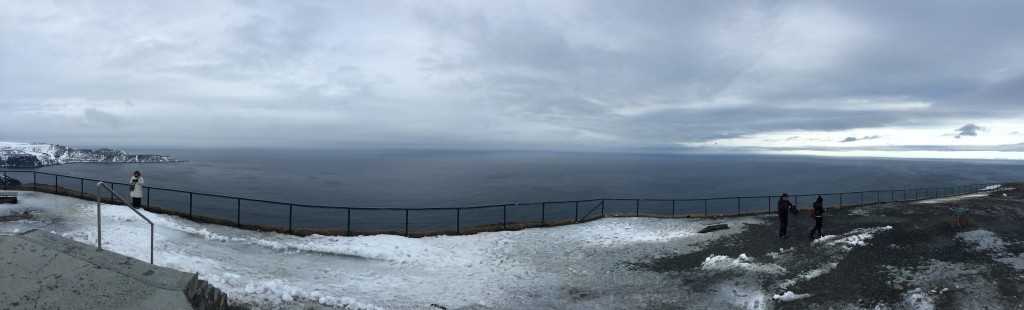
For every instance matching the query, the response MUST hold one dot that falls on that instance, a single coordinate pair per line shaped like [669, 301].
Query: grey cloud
[968, 130]
[852, 139]
[93, 117]
[541, 72]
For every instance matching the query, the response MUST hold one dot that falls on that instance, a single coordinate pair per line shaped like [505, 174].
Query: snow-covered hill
[29, 155]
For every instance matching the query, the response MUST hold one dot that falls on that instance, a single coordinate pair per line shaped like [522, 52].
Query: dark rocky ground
[920, 263]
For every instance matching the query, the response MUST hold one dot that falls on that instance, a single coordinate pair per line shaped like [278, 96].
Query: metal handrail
[99, 227]
[711, 206]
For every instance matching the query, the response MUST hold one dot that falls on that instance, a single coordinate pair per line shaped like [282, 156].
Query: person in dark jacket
[819, 211]
[785, 207]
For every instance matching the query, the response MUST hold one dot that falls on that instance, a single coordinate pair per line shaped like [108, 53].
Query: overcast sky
[903, 78]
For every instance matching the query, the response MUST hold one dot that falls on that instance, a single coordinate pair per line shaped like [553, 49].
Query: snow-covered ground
[584, 266]
[498, 269]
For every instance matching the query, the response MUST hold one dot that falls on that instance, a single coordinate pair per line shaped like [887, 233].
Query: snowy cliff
[29, 155]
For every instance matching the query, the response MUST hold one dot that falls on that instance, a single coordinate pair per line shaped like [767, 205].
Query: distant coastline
[34, 155]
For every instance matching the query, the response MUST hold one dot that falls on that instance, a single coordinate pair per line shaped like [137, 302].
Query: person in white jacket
[136, 187]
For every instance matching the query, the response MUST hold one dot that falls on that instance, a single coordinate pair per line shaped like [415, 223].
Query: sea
[456, 178]
[425, 179]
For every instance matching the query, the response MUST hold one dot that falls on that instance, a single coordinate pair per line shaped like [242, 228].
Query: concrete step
[41, 270]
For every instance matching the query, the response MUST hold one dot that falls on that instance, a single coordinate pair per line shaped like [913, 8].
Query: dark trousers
[817, 226]
[783, 222]
[136, 202]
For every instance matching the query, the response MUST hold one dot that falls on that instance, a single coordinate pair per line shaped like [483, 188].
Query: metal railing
[338, 220]
[99, 222]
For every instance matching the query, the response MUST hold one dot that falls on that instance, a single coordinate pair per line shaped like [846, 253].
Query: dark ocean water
[426, 179]
[451, 179]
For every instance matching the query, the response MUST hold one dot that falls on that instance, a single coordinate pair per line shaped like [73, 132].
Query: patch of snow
[823, 269]
[742, 262]
[789, 296]
[916, 299]
[991, 187]
[1015, 261]
[951, 199]
[987, 241]
[983, 240]
[854, 238]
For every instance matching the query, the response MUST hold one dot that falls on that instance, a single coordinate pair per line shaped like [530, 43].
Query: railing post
[99, 221]
[602, 207]
[407, 222]
[5, 181]
[290, 207]
[190, 205]
[348, 224]
[673, 208]
[147, 196]
[238, 212]
[458, 221]
[637, 206]
[705, 208]
[840, 200]
[504, 217]
[576, 218]
[543, 212]
[56, 184]
[34, 183]
[737, 205]
[81, 188]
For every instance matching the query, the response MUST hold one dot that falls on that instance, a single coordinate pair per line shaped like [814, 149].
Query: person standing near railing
[785, 207]
[135, 186]
[818, 214]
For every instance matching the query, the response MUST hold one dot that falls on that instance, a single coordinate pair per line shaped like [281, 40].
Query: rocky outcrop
[9, 181]
[31, 155]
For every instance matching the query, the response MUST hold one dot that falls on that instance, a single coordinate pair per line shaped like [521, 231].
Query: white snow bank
[789, 296]
[742, 262]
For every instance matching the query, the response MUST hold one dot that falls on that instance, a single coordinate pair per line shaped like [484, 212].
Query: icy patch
[862, 211]
[950, 199]
[983, 240]
[776, 255]
[934, 274]
[742, 262]
[789, 296]
[991, 187]
[987, 241]
[615, 232]
[1015, 261]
